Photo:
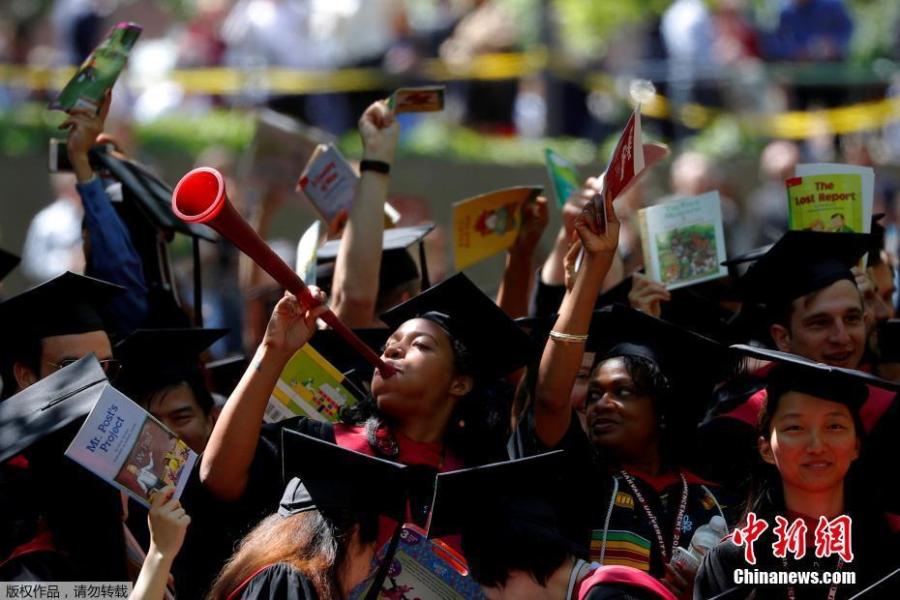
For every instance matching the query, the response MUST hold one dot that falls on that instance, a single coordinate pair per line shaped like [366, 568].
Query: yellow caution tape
[226, 81]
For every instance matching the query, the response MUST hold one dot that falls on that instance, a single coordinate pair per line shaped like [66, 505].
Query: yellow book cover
[488, 224]
[832, 202]
[309, 386]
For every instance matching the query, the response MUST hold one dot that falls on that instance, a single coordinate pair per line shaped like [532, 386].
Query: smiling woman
[810, 435]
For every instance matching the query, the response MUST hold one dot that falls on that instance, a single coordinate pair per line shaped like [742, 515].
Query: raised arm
[110, 254]
[225, 465]
[168, 523]
[356, 271]
[563, 353]
[515, 287]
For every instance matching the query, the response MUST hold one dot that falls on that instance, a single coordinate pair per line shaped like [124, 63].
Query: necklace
[654, 523]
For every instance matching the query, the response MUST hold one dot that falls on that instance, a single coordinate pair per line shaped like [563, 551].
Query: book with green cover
[683, 240]
[563, 174]
[310, 386]
[98, 73]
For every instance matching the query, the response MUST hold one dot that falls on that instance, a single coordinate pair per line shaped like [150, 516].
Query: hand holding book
[379, 131]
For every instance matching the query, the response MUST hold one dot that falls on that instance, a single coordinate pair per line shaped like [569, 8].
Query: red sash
[622, 575]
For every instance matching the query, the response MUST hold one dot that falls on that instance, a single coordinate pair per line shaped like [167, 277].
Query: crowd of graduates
[581, 443]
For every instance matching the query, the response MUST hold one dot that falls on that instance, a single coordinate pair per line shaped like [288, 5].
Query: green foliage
[585, 26]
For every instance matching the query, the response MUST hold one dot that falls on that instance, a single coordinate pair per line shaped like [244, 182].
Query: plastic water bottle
[705, 537]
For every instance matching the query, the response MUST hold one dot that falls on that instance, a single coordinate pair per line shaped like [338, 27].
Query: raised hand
[168, 523]
[596, 243]
[379, 132]
[292, 324]
[647, 295]
[535, 217]
[84, 126]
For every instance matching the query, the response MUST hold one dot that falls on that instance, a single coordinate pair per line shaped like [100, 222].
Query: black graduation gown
[278, 582]
[601, 513]
[217, 526]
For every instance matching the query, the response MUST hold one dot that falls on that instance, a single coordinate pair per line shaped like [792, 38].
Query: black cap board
[527, 484]
[344, 358]
[8, 262]
[155, 358]
[148, 194]
[397, 264]
[696, 307]
[623, 331]
[802, 262]
[225, 373]
[49, 405]
[496, 344]
[747, 257]
[888, 334]
[795, 373]
[67, 304]
[337, 479]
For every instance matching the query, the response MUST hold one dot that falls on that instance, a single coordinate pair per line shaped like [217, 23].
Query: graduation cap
[67, 304]
[224, 374]
[888, 335]
[802, 262]
[496, 344]
[49, 405]
[397, 265]
[747, 257]
[338, 480]
[680, 353]
[8, 262]
[695, 307]
[146, 211]
[877, 242]
[501, 488]
[795, 373]
[156, 358]
[344, 358]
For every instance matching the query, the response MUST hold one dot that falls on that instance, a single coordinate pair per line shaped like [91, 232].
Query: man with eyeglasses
[54, 324]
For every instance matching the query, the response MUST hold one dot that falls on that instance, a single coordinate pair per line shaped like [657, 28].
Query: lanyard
[676, 536]
[832, 591]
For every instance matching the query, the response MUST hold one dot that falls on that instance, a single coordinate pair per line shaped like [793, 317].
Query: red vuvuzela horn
[200, 198]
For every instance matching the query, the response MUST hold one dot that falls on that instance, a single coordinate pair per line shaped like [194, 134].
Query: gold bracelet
[568, 337]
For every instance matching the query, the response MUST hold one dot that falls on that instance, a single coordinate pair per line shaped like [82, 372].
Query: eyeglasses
[111, 366]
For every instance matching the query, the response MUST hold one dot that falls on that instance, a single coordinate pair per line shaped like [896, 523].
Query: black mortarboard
[146, 211]
[802, 262]
[67, 304]
[696, 307]
[795, 373]
[623, 331]
[877, 241]
[8, 262]
[889, 340]
[496, 344]
[747, 257]
[397, 264]
[473, 498]
[148, 194]
[331, 479]
[155, 358]
[54, 402]
[344, 358]
[224, 374]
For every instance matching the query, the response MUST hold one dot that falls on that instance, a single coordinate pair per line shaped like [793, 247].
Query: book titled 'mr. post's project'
[125, 446]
